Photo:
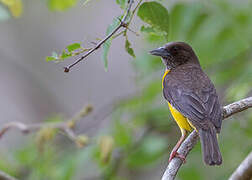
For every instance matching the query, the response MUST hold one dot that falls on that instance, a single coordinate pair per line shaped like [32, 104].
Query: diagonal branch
[244, 171]
[173, 167]
[236, 107]
[4, 176]
[123, 24]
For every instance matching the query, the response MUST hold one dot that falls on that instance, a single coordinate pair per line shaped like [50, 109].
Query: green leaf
[106, 47]
[53, 57]
[122, 3]
[129, 49]
[156, 15]
[147, 29]
[61, 5]
[65, 55]
[50, 58]
[107, 44]
[73, 47]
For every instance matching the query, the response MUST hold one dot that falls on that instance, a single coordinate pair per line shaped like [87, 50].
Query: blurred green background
[131, 131]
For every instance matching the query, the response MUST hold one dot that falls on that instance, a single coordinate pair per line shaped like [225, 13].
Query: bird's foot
[176, 154]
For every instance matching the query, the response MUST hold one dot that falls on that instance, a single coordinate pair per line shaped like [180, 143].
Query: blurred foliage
[61, 5]
[142, 131]
[4, 13]
[15, 8]
[122, 3]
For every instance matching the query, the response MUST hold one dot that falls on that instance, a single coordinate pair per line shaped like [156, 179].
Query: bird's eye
[175, 48]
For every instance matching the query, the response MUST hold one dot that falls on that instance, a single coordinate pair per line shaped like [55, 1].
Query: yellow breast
[181, 120]
[165, 73]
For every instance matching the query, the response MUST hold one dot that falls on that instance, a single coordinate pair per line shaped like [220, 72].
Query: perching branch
[173, 167]
[4, 176]
[236, 107]
[66, 127]
[244, 171]
[123, 24]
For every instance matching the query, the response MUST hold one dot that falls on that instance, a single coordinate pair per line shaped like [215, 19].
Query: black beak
[160, 52]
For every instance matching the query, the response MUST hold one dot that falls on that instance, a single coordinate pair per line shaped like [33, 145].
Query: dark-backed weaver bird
[192, 99]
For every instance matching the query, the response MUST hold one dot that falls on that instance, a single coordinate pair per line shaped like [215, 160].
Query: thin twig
[118, 34]
[173, 167]
[244, 171]
[123, 23]
[133, 12]
[66, 126]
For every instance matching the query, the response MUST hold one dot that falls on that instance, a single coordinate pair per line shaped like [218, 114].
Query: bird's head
[174, 54]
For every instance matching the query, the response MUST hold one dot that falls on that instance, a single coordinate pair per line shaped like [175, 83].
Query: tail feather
[210, 147]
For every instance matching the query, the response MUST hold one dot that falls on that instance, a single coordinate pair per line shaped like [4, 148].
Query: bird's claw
[176, 154]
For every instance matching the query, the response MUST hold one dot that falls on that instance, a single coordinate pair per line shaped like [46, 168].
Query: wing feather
[194, 96]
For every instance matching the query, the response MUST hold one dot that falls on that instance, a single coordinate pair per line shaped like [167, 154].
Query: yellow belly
[181, 120]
